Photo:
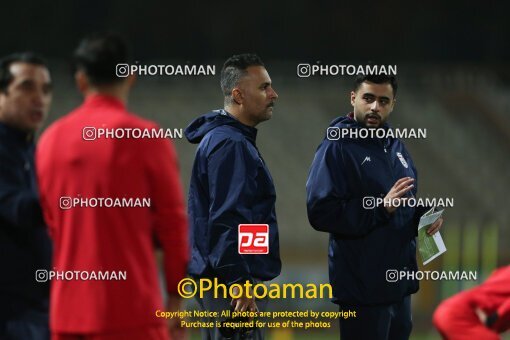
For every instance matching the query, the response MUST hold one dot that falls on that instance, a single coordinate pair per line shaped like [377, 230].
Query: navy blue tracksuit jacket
[25, 246]
[230, 185]
[364, 243]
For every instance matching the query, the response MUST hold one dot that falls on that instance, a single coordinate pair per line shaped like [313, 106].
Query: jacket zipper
[388, 160]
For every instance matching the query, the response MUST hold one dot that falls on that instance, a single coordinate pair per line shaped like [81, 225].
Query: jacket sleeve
[503, 321]
[232, 186]
[18, 206]
[170, 219]
[331, 206]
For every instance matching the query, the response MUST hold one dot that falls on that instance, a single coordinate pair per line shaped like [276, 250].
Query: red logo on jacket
[253, 239]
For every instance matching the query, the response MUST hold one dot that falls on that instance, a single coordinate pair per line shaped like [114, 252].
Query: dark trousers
[384, 322]
[31, 325]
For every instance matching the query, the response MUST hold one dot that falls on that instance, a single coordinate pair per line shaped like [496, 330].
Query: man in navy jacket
[231, 185]
[367, 242]
[25, 246]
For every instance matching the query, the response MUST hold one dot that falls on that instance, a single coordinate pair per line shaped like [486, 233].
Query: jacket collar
[98, 100]
[16, 135]
[248, 131]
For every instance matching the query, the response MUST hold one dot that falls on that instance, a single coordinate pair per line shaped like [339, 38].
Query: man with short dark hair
[367, 241]
[74, 163]
[25, 247]
[231, 185]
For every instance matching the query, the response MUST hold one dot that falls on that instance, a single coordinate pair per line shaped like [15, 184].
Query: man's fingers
[403, 182]
[402, 186]
[239, 305]
[401, 192]
[253, 307]
[435, 227]
[481, 315]
[432, 230]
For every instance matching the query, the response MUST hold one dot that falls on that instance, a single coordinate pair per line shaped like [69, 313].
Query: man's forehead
[379, 90]
[23, 70]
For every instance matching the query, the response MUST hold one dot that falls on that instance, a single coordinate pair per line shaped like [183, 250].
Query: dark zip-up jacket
[364, 243]
[25, 246]
[230, 185]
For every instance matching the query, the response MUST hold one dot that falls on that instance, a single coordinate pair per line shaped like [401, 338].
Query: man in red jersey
[478, 313]
[108, 201]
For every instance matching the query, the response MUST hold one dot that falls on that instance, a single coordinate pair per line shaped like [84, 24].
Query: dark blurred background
[454, 79]
[395, 31]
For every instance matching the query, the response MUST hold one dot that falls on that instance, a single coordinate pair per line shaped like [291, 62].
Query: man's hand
[243, 303]
[176, 331]
[481, 315]
[399, 189]
[434, 228]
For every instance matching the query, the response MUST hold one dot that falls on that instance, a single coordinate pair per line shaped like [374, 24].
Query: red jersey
[456, 317]
[493, 296]
[103, 235]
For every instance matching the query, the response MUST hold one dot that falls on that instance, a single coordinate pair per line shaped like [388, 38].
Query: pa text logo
[253, 239]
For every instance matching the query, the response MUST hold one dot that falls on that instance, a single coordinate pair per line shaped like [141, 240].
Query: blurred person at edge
[366, 243]
[482, 312]
[231, 185]
[25, 247]
[115, 238]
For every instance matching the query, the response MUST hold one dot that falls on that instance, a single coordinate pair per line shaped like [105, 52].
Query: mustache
[372, 115]
[270, 104]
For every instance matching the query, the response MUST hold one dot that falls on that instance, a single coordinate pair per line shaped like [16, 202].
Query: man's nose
[39, 98]
[274, 95]
[375, 106]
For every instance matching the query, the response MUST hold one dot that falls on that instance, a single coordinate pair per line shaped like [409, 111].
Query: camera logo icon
[333, 133]
[304, 70]
[41, 275]
[89, 133]
[392, 275]
[368, 202]
[122, 70]
[66, 203]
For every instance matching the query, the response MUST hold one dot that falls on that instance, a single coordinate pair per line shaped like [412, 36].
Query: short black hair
[378, 79]
[234, 69]
[22, 57]
[98, 55]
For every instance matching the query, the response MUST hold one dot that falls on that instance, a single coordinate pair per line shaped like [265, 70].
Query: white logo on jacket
[402, 160]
